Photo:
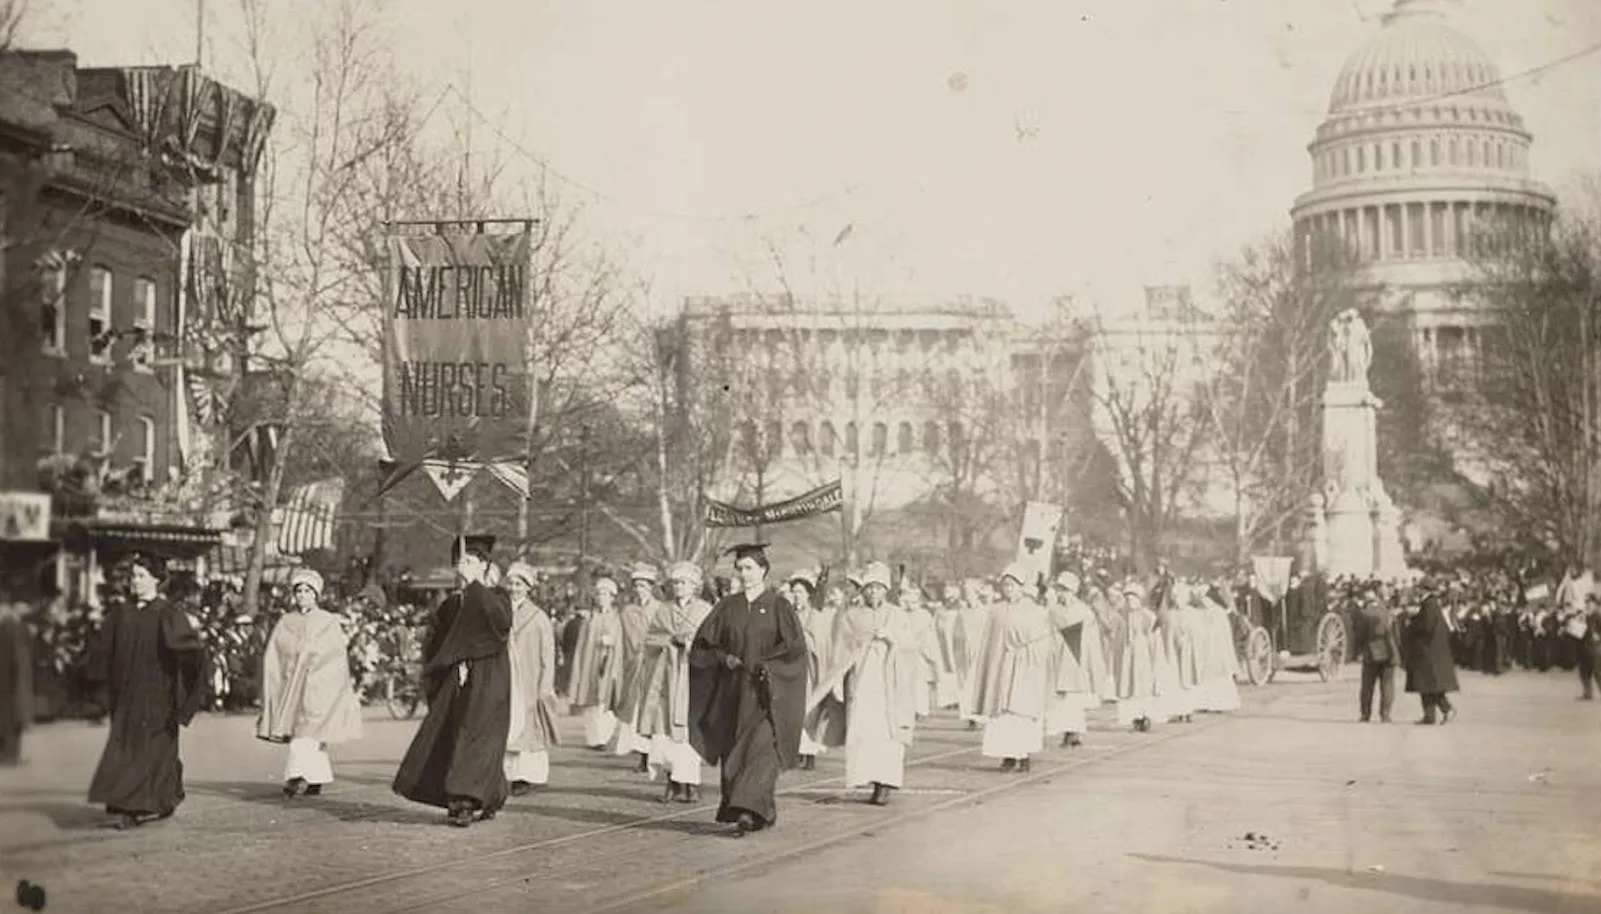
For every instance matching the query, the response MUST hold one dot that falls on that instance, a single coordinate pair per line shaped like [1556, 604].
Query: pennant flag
[308, 517]
[450, 477]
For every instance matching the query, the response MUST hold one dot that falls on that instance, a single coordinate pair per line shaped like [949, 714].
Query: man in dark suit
[1379, 650]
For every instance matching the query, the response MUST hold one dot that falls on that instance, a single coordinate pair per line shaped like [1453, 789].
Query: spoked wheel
[400, 696]
[1331, 647]
[1259, 656]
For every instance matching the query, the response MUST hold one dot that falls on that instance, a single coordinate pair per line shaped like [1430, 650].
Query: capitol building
[1420, 148]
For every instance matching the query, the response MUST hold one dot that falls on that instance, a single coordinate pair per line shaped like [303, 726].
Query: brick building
[113, 183]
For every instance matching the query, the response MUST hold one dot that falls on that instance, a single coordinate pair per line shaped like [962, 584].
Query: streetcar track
[456, 863]
[1207, 723]
[878, 823]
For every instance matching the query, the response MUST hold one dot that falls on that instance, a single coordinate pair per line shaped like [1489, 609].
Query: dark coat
[1375, 636]
[460, 748]
[1429, 667]
[748, 720]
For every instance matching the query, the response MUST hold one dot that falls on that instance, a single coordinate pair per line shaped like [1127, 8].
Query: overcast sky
[1013, 149]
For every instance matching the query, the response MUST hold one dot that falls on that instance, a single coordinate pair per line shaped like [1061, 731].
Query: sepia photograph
[896, 457]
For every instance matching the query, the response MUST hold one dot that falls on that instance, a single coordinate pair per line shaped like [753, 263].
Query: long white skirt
[1013, 736]
[1220, 694]
[629, 740]
[682, 762]
[1176, 701]
[947, 691]
[1065, 713]
[308, 759]
[599, 724]
[532, 767]
[869, 761]
[809, 746]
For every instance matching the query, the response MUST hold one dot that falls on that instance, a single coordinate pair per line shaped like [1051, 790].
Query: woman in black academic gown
[747, 692]
[154, 671]
[456, 760]
[1430, 670]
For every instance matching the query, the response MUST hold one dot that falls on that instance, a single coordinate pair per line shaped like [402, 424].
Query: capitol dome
[1420, 150]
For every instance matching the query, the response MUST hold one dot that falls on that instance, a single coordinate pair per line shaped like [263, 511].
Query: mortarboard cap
[481, 545]
[747, 550]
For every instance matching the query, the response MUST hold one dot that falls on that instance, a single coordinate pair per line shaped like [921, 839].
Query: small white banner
[1036, 542]
[25, 516]
[450, 478]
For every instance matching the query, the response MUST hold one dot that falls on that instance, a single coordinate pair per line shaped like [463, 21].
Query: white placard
[1036, 542]
[25, 516]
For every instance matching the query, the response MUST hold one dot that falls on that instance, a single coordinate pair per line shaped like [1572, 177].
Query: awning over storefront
[112, 538]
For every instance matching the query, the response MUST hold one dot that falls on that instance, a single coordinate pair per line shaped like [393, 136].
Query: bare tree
[1530, 417]
[1150, 413]
[1263, 384]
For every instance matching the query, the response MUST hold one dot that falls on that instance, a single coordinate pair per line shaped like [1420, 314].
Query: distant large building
[1420, 147]
[886, 396]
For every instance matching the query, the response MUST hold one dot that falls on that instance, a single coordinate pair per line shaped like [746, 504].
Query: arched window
[853, 441]
[904, 443]
[958, 442]
[1378, 156]
[800, 439]
[747, 437]
[880, 442]
[931, 438]
[825, 438]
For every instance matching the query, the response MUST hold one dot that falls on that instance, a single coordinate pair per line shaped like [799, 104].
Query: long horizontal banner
[820, 500]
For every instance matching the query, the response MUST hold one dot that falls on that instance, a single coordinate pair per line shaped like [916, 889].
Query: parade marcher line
[454, 863]
[689, 883]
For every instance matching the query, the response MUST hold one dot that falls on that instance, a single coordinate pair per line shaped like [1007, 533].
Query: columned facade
[1420, 153]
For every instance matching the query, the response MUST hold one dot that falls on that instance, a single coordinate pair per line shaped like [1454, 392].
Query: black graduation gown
[154, 671]
[460, 748]
[16, 687]
[748, 726]
[1430, 669]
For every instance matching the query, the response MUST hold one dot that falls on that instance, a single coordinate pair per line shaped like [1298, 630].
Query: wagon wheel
[1259, 656]
[1331, 647]
[400, 696]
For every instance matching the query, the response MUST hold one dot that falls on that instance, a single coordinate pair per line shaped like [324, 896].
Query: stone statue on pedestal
[1353, 522]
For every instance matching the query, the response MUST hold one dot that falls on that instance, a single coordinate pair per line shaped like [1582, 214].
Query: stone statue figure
[1351, 347]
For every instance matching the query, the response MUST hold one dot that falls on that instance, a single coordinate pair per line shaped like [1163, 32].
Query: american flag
[306, 521]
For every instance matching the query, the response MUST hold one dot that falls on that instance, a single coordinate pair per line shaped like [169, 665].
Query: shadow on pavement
[646, 791]
[697, 823]
[1459, 894]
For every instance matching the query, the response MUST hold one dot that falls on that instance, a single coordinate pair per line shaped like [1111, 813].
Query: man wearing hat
[150, 661]
[1009, 686]
[597, 672]
[747, 692]
[307, 699]
[634, 620]
[456, 761]
[877, 665]
[1379, 650]
[659, 704]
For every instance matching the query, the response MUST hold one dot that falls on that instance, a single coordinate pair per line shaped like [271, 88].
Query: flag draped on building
[308, 518]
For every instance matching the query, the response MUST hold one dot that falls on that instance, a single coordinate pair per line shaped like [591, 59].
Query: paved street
[1500, 811]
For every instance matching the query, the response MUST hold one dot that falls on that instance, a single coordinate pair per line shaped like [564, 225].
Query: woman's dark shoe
[292, 787]
[1022, 764]
[808, 763]
[880, 795]
[518, 788]
[1450, 715]
[745, 825]
[1008, 764]
[126, 821]
[313, 790]
[670, 793]
[691, 794]
[644, 764]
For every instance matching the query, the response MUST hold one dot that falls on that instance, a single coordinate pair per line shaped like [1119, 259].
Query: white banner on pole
[1036, 541]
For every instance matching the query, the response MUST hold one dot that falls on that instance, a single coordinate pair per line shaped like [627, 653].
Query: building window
[103, 433]
[1361, 159]
[880, 442]
[774, 445]
[1451, 153]
[100, 315]
[853, 441]
[931, 438]
[144, 299]
[825, 438]
[147, 449]
[1378, 157]
[904, 439]
[53, 309]
[58, 430]
[1434, 152]
[800, 439]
